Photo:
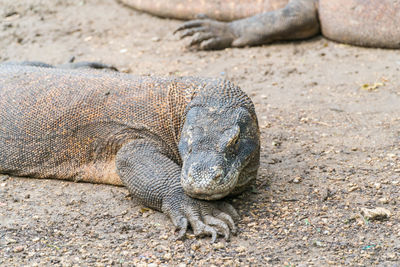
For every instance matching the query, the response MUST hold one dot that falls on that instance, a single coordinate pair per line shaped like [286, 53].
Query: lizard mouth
[204, 196]
[211, 187]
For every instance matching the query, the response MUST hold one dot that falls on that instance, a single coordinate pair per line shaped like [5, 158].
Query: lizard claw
[223, 228]
[191, 32]
[181, 225]
[205, 218]
[199, 37]
[192, 24]
[202, 229]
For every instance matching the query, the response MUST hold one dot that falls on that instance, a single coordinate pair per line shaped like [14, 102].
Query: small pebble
[219, 245]
[297, 180]
[375, 214]
[241, 249]
[384, 200]
[167, 256]
[18, 249]
[195, 247]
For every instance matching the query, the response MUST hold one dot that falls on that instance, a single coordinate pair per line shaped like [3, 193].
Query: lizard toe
[202, 229]
[199, 37]
[220, 225]
[228, 221]
[190, 32]
[181, 225]
[190, 24]
[227, 208]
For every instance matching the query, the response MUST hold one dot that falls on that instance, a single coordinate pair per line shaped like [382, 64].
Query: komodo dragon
[173, 142]
[371, 23]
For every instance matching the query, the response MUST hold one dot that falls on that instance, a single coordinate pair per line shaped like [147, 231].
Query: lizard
[239, 23]
[179, 144]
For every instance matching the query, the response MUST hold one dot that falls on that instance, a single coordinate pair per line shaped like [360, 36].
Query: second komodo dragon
[373, 23]
[177, 144]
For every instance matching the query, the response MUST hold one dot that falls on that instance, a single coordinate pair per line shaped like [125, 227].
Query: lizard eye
[232, 136]
[232, 142]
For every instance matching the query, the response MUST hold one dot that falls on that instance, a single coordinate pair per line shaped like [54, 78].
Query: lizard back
[67, 124]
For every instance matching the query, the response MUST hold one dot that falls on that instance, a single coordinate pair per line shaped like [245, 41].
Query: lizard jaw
[204, 196]
[210, 187]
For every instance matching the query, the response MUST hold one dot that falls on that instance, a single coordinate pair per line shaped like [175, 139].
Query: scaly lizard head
[219, 147]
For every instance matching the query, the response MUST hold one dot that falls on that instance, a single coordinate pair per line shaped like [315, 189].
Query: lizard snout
[200, 179]
[204, 176]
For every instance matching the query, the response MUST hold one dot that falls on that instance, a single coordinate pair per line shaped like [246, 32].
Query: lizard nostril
[217, 177]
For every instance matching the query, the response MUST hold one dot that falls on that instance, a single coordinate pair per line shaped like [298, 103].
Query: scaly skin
[371, 23]
[174, 142]
[222, 10]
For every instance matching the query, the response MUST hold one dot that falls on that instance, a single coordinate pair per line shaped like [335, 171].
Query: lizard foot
[207, 34]
[205, 217]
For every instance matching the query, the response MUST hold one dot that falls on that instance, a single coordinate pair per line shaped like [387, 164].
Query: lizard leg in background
[298, 20]
[154, 179]
[28, 63]
[87, 65]
[71, 65]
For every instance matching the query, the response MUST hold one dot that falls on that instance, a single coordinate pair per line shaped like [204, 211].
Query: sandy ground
[330, 123]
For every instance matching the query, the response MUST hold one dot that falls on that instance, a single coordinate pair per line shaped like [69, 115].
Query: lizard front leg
[154, 179]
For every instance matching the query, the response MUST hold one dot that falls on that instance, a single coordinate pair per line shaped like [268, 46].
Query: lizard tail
[224, 10]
